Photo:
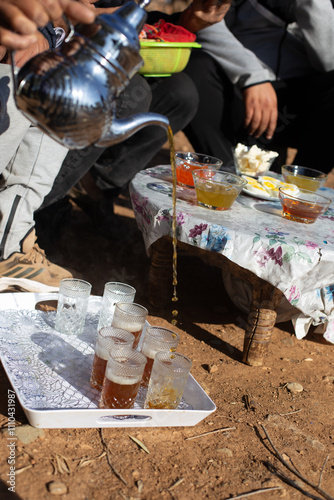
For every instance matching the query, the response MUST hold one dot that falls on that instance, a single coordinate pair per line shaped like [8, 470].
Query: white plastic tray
[50, 372]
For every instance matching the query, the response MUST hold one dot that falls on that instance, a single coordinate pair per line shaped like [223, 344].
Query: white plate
[260, 196]
[50, 373]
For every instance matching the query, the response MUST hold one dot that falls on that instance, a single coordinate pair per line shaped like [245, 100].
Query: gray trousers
[29, 163]
[30, 160]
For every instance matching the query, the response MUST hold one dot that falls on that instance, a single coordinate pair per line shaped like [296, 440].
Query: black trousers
[174, 97]
[305, 115]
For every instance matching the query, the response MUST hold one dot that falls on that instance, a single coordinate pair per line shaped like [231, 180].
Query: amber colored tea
[301, 211]
[98, 371]
[119, 392]
[147, 371]
[216, 197]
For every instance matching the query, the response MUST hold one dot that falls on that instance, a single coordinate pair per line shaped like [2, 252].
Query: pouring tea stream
[70, 92]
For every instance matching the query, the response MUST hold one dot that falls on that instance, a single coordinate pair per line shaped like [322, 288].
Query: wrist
[190, 20]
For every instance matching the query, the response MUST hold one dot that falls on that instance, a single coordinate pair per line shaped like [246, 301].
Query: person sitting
[112, 169]
[265, 75]
[31, 160]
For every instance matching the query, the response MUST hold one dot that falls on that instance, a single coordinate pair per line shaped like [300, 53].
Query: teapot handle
[12, 52]
[70, 27]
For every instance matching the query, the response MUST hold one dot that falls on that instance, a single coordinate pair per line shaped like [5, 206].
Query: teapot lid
[128, 19]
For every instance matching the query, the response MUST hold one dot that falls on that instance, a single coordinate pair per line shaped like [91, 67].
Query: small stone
[307, 359]
[213, 368]
[57, 488]
[288, 341]
[328, 378]
[294, 387]
[225, 451]
[140, 485]
[27, 434]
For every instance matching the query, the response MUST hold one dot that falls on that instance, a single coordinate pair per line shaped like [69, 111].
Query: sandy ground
[229, 453]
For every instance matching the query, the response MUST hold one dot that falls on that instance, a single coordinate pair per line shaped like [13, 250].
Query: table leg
[260, 322]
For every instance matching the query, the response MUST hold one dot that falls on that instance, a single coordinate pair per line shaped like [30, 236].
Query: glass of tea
[130, 317]
[304, 206]
[107, 339]
[303, 177]
[124, 371]
[114, 292]
[157, 339]
[185, 163]
[217, 190]
[168, 380]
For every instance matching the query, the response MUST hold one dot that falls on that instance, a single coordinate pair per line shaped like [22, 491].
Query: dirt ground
[228, 454]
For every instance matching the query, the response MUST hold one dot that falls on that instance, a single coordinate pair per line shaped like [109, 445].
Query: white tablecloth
[296, 258]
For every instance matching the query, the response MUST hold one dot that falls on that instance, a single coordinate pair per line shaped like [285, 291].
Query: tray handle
[125, 419]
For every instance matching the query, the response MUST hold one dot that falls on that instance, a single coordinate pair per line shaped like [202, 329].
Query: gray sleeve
[315, 19]
[241, 66]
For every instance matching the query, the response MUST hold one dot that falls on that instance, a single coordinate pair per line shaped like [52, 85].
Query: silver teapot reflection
[70, 92]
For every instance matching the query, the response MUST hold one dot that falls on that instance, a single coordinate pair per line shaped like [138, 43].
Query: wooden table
[251, 241]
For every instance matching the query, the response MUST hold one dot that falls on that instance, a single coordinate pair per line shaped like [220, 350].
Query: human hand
[20, 19]
[203, 13]
[22, 56]
[260, 110]
[99, 10]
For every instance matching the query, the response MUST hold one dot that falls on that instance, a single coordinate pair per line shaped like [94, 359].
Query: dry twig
[18, 471]
[322, 470]
[294, 471]
[176, 484]
[115, 471]
[139, 443]
[87, 461]
[290, 413]
[224, 429]
[255, 492]
[61, 465]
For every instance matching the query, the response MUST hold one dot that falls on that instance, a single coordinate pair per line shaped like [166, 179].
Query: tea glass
[107, 339]
[304, 177]
[168, 380]
[72, 305]
[130, 317]
[217, 190]
[157, 339]
[306, 206]
[185, 163]
[114, 292]
[122, 378]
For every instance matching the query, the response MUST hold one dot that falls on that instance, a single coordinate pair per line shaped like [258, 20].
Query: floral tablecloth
[296, 258]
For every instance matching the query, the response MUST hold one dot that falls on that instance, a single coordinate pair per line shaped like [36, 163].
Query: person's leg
[29, 163]
[219, 113]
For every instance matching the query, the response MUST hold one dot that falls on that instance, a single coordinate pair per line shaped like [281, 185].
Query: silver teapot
[70, 92]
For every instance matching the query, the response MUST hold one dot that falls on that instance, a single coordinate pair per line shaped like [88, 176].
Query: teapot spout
[121, 129]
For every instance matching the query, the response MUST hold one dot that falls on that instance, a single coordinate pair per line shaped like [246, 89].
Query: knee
[136, 98]
[183, 94]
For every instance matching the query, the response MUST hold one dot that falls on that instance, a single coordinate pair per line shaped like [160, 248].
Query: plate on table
[260, 196]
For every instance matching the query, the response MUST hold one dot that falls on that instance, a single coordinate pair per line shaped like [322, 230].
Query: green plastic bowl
[164, 58]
